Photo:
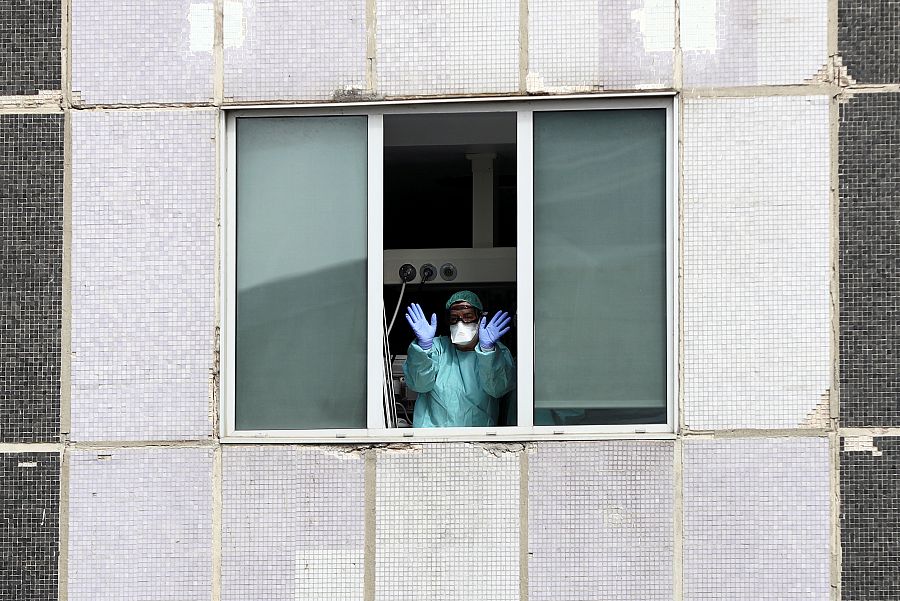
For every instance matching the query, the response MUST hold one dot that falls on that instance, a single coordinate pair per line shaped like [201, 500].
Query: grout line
[371, 45]
[31, 447]
[523, 524]
[678, 522]
[678, 65]
[679, 288]
[523, 46]
[369, 526]
[760, 433]
[31, 109]
[131, 444]
[218, 52]
[65, 336]
[869, 431]
[65, 55]
[835, 515]
[835, 284]
[873, 88]
[217, 487]
[63, 558]
[807, 89]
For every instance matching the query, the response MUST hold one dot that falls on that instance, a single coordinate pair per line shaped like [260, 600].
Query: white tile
[132, 51]
[756, 313]
[140, 525]
[756, 519]
[143, 273]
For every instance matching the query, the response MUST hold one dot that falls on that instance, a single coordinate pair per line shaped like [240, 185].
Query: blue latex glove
[423, 330]
[490, 332]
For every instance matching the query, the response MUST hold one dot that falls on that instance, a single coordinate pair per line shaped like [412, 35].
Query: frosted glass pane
[301, 273]
[600, 272]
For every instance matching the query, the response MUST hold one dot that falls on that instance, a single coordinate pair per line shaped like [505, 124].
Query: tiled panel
[140, 525]
[753, 42]
[756, 261]
[293, 524]
[143, 219]
[447, 46]
[29, 535]
[756, 519]
[868, 38]
[869, 180]
[29, 46]
[600, 521]
[131, 51]
[289, 49]
[591, 44]
[31, 207]
[447, 523]
[870, 522]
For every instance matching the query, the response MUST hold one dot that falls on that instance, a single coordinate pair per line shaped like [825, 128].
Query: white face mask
[463, 333]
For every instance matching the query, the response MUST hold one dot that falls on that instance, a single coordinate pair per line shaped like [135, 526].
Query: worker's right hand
[423, 330]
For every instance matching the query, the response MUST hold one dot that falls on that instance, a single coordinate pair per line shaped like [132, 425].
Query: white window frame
[524, 107]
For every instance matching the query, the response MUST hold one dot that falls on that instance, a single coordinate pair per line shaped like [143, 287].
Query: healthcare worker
[459, 379]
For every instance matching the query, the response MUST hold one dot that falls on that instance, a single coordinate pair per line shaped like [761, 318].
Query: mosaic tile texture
[29, 536]
[869, 183]
[132, 51]
[868, 38]
[600, 520]
[756, 261]
[757, 42]
[293, 524]
[870, 522]
[447, 524]
[29, 46]
[31, 213]
[143, 256]
[140, 525]
[756, 519]
[285, 49]
[590, 44]
[427, 47]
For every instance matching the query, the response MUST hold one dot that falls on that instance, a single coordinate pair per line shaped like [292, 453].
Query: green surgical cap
[465, 296]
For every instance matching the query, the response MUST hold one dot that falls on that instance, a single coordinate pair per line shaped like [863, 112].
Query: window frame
[524, 107]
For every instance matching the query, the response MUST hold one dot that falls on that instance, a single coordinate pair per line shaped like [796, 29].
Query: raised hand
[489, 332]
[421, 327]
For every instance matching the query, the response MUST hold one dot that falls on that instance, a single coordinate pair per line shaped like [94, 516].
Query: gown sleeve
[496, 370]
[421, 366]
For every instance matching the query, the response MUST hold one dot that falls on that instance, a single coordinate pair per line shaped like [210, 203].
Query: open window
[560, 212]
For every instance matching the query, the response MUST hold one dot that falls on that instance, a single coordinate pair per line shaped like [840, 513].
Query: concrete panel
[292, 524]
[756, 519]
[143, 256]
[29, 46]
[31, 241]
[869, 271]
[29, 537]
[132, 51]
[140, 525]
[294, 50]
[753, 42]
[586, 45]
[756, 262]
[447, 523]
[600, 521]
[440, 47]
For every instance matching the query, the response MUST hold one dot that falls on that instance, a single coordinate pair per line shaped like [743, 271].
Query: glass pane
[600, 267]
[301, 273]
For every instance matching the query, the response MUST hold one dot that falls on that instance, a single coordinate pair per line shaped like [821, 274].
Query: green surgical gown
[458, 388]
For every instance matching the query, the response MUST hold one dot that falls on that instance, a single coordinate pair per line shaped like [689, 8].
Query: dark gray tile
[29, 46]
[870, 522]
[31, 194]
[870, 260]
[869, 39]
[29, 526]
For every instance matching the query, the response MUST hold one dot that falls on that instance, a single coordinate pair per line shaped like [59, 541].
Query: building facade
[779, 480]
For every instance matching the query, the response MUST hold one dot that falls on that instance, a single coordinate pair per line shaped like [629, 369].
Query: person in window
[459, 379]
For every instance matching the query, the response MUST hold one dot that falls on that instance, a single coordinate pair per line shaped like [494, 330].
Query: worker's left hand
[489, 332]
